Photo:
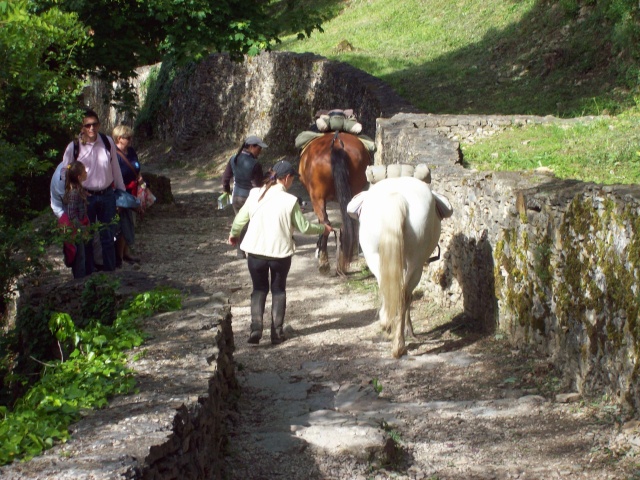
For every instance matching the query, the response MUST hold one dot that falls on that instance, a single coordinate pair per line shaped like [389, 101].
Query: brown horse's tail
[340, 170]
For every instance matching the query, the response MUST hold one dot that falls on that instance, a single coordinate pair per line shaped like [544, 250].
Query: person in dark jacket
[130, 168]
[247, 173]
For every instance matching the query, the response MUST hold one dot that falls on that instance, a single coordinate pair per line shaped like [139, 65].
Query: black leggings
[259, 269]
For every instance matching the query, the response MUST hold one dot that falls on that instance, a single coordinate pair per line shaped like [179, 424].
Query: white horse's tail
[392, 260]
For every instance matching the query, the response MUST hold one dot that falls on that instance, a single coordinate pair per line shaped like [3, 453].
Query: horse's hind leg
[398, 347]
[385, 322]
[323, 257]
[409, 333]
[320, 207]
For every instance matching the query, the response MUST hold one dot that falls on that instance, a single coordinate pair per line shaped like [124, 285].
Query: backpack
[105, 140]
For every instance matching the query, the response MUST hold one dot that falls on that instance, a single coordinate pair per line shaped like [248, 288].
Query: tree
[128, 34]
[39, 85]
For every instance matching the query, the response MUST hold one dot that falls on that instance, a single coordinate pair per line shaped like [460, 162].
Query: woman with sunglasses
[130, 168]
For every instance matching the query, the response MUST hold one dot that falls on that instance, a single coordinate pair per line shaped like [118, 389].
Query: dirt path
[460, 406]
[331, 403]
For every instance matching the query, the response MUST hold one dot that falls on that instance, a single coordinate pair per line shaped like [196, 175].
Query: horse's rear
[332, 167]
[399, 229]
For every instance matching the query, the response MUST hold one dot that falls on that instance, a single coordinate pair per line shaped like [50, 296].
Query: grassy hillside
[565, 58]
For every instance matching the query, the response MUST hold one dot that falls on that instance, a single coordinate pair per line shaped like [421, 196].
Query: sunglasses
[89, 125]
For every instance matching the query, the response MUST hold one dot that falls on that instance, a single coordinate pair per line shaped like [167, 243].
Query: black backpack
[105, 140]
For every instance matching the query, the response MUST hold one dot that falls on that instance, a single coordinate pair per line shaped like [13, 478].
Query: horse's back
[315, 162]
[421, 228]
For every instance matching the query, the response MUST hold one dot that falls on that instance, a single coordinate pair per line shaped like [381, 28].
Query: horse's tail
[340, 169]
[392, 259]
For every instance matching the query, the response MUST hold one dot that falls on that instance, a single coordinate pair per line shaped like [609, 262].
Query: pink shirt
[102, 170]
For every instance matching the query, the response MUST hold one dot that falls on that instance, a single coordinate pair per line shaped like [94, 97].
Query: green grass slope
[566, 58]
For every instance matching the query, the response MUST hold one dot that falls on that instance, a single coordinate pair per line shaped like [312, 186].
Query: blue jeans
[102, 208]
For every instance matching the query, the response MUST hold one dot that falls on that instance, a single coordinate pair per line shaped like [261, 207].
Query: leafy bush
[99, 300]
[94, 371]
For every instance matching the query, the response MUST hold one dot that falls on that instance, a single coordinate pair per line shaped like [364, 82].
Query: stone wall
[274, 95]
[554, 264]
[195, 448]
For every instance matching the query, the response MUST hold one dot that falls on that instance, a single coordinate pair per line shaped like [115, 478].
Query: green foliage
[377, 386]
[127, 35]
[22, 250]
[94, 371]
[99, 300]
[157, 89]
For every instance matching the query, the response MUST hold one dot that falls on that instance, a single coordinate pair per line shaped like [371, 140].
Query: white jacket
[271, 221]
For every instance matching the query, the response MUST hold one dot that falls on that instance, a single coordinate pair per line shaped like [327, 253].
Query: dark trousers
[259, 269]
[81, 266]
[102, 208]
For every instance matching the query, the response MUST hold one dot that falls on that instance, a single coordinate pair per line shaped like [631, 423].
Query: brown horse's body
[332, 167]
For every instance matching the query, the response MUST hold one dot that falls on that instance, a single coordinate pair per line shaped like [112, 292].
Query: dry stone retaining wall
[274, 95]
[552, 263]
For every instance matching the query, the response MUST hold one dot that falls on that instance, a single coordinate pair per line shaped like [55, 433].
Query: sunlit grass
[604, 151]
[478, 57]
[408, 33]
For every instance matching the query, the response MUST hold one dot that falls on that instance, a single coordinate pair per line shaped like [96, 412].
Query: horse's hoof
[324, 269]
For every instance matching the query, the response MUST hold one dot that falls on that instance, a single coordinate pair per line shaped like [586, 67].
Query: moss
[518, 295]
[523, 218]
[577, 221]
[498, 253]
[542, 259]
[587, 235]
[579, 291]
[614, 336]
[620, 296]
[522, 305]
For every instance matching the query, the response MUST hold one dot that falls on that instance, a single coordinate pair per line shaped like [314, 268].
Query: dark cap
[253, 140]
[284, 168]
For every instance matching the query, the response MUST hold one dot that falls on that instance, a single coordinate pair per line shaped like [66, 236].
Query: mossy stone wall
[553, 264]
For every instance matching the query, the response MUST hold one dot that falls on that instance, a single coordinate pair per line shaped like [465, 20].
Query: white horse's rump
[399, 229]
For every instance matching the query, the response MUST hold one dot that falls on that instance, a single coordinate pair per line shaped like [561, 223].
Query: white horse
[399, 229]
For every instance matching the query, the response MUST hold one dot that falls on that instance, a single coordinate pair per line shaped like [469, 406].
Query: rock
[568, 397]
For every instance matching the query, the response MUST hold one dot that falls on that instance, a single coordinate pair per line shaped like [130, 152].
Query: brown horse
[332, 167]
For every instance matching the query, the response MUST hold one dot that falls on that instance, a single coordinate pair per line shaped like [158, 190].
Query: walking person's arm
[306, 227]
[241, 219]
[226, 178]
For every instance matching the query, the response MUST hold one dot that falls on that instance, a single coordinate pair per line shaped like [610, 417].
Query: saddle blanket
[304, 138]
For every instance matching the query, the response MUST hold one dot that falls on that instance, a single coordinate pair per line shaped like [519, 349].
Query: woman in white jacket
[271, 213]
